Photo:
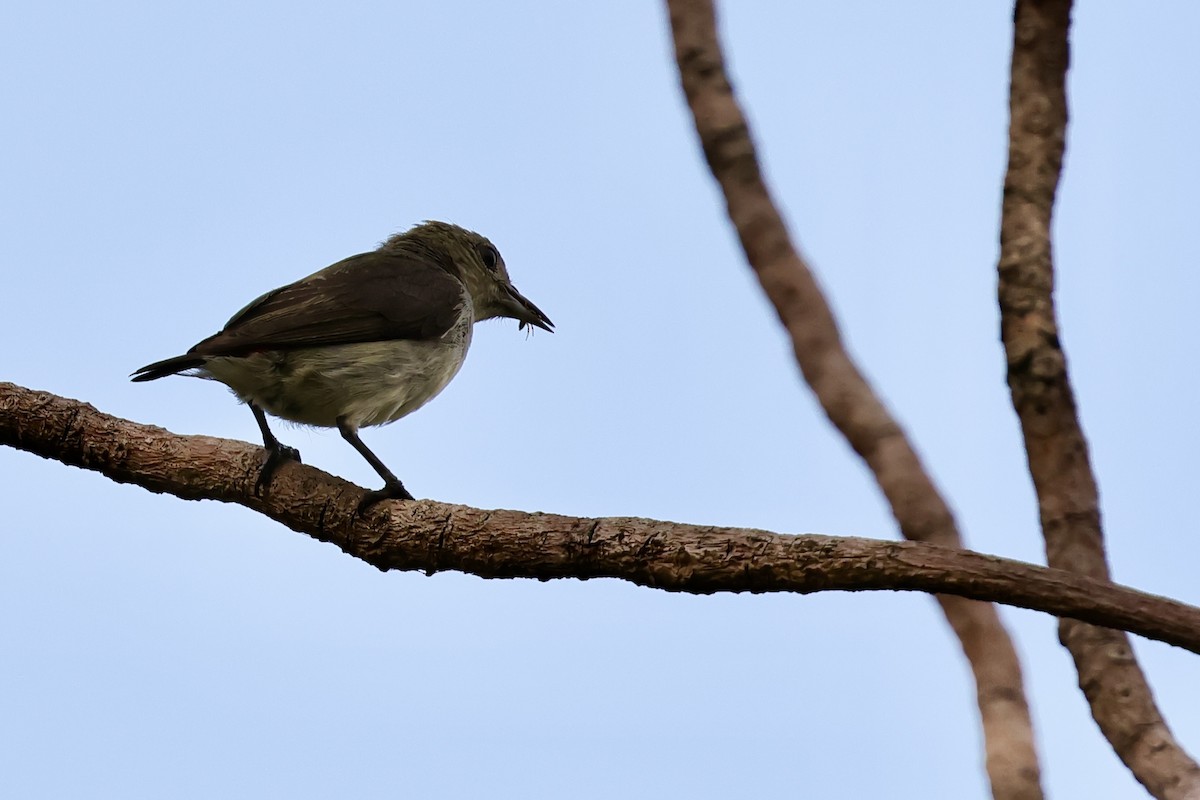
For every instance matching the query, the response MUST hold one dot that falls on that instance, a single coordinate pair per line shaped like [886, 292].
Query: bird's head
[476, 262]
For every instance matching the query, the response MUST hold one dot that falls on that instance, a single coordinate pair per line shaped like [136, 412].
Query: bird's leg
[392, 489]
[277, 452]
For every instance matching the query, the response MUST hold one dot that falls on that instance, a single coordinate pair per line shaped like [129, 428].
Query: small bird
[363, 342]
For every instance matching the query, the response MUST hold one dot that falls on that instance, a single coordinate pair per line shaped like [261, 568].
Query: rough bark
[433, 537]
[1115, 687]
[844, 393]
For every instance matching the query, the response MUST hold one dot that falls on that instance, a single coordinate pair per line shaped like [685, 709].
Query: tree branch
[435, 537]
[844, 393]
[1116, 688]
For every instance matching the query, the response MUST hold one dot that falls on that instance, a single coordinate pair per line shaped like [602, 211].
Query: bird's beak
[516, 306]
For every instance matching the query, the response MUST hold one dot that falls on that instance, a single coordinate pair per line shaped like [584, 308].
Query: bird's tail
[168, 366]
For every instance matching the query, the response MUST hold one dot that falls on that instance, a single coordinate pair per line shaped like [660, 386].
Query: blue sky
[163, 164]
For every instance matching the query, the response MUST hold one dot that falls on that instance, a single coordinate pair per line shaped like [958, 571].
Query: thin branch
[1116, 688]
[435, 537]
[844, 393]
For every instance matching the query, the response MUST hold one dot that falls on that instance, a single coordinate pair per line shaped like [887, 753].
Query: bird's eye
[491, 259]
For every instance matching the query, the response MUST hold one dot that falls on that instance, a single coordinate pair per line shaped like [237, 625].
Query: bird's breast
[368, 383]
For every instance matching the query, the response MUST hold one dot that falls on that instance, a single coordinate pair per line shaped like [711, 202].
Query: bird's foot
[390, 491]
[275, 457]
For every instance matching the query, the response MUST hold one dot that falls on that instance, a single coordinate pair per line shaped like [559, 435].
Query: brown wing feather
[372, 297]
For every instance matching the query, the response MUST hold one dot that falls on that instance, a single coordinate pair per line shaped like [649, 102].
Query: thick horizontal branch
[433, 537]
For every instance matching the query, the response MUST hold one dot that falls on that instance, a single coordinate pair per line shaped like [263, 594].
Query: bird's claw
[390, 491]
[275, 457]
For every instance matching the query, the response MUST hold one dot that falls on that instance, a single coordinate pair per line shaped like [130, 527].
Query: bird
[362, 342]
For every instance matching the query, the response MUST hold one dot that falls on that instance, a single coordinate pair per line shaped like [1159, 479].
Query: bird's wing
[372, 297]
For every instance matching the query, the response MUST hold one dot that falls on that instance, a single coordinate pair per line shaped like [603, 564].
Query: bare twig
[1109, 675]
[845, 395]
[434, 537]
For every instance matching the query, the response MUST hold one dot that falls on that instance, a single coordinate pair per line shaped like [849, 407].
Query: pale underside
[364, 384]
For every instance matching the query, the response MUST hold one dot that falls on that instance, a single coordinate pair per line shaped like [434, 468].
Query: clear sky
[165, 163]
